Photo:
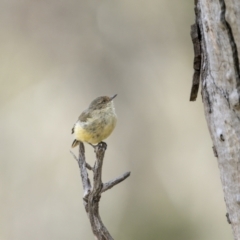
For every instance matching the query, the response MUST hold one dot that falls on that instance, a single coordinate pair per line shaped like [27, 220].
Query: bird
[95, 123]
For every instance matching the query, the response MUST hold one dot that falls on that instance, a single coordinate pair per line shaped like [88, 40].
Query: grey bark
[218, 33]
[92, 194]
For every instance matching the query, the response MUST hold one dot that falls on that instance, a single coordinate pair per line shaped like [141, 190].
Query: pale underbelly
[95, 132]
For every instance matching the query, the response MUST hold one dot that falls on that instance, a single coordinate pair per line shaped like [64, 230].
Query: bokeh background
[56, 57]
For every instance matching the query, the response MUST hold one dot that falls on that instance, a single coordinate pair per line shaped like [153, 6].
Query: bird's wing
[83, 117]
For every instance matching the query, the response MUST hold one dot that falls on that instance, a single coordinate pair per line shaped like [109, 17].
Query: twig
[92, 195]
[112, 183]
[88, 166]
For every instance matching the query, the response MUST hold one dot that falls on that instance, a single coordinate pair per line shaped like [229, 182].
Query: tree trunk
[217, 30]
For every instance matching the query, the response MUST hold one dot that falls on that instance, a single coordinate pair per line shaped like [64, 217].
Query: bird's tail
[75, 143]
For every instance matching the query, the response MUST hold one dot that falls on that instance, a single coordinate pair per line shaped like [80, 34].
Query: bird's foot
[99, 145]
[102, 145]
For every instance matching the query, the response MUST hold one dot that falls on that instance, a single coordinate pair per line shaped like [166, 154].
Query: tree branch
[115, 181]
[92, 195]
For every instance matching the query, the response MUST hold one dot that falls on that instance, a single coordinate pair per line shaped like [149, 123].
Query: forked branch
[92, 195]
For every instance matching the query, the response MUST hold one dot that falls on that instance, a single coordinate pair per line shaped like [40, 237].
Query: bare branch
[112, 183]
[74, 156]
[92, 195]
[98, 228]
[88, 166]
[83, 170]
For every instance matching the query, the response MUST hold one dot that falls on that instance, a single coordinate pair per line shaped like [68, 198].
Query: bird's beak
[111, 98]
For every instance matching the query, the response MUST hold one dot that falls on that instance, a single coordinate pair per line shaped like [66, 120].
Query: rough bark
[218, 26]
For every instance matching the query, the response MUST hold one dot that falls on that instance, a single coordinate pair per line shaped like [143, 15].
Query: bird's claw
[99, 145]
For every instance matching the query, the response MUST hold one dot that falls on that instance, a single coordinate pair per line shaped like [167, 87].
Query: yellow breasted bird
[96, 123]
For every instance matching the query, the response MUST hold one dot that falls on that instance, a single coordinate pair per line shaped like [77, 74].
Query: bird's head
[102, 102]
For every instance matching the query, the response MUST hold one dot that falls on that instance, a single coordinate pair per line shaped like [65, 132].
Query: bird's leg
[101, 144]
[94, 146]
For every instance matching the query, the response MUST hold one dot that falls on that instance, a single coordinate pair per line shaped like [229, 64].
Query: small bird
[96, 123]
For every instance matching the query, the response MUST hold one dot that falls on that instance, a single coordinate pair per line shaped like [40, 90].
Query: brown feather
[85, 115]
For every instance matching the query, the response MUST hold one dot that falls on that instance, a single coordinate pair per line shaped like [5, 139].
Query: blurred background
[56, 57]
